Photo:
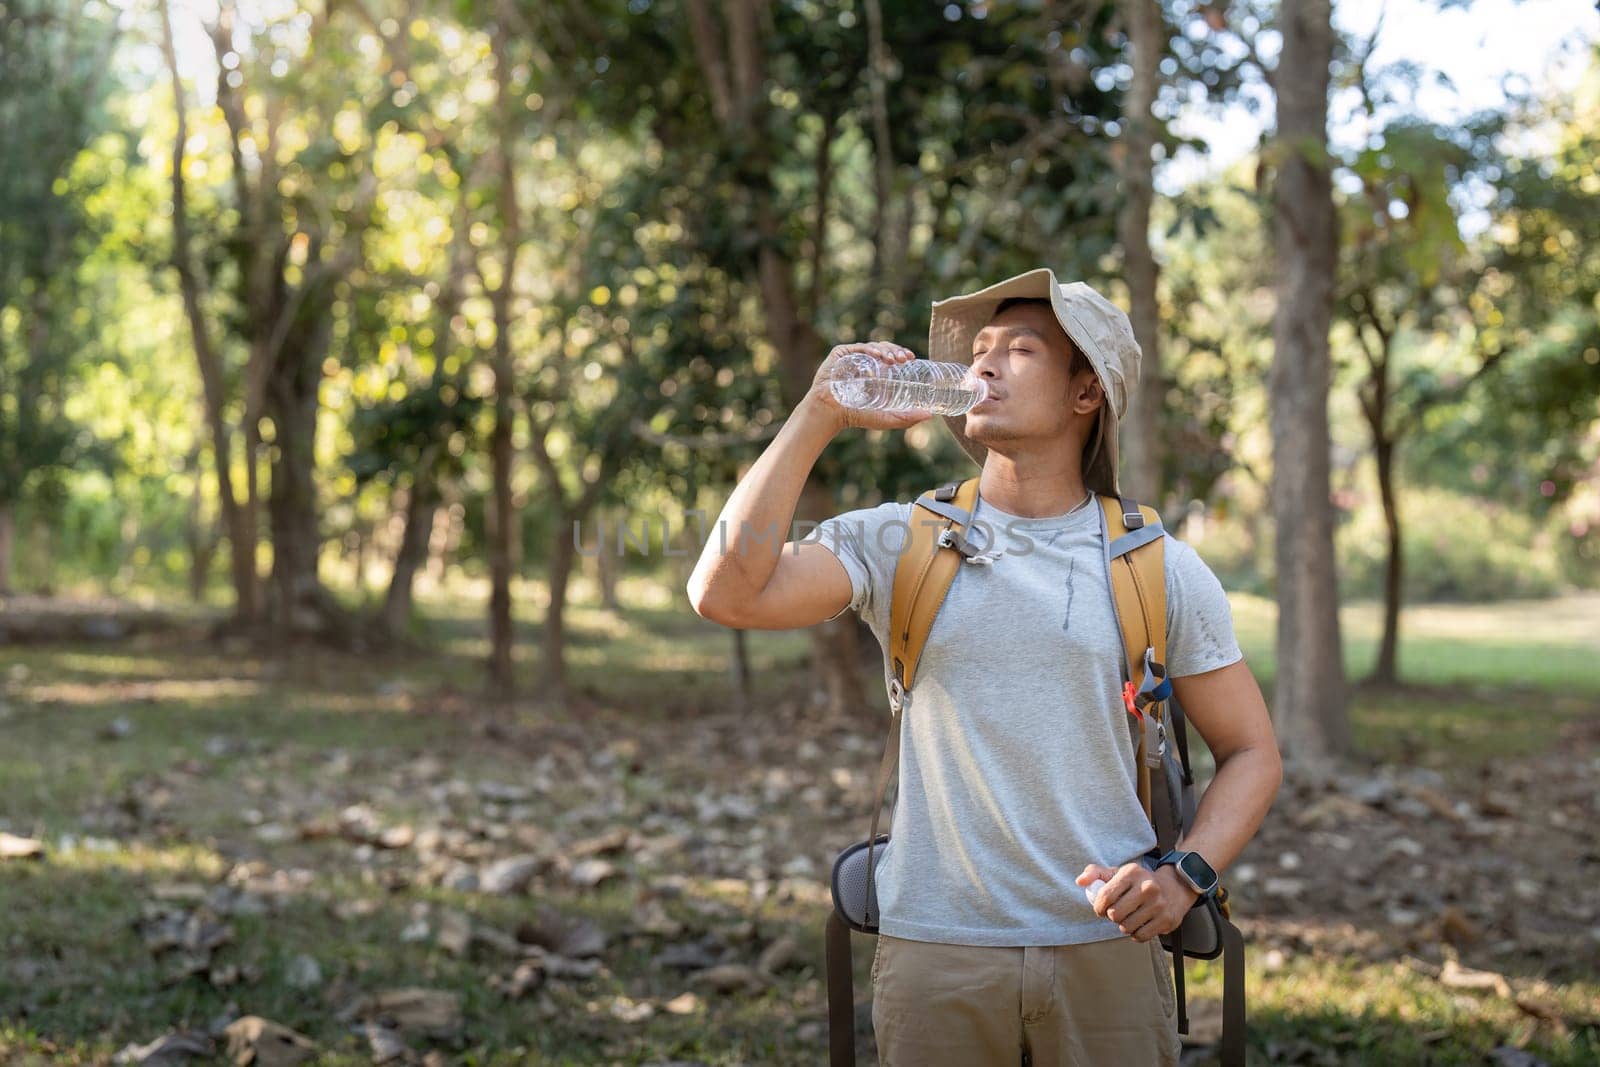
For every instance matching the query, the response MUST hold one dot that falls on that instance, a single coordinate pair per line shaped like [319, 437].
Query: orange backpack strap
[923, 573]
[1136, 559]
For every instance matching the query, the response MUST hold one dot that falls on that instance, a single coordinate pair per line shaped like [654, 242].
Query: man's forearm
[755, 520]
[1233, 806]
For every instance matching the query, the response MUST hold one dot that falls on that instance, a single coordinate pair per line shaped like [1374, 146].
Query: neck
[1034, 484]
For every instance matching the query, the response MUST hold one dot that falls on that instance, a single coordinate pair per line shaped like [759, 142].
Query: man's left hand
[1143, 903]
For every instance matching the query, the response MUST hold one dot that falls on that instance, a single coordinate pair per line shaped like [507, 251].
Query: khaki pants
[1103, 1004]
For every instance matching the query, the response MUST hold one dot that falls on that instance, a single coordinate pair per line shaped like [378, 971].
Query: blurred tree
[1217, 305]
[301, 139]
[418, 442]
[238, 517]
[509, 222]
[1144, 23]
[55, 55]
[1310, 698]
[1405, 272]
[1521, 432]
[799, 143]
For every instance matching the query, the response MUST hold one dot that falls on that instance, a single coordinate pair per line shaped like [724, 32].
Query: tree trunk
[739, 665]
[202, 537]
[446, 542]
[835, 661]
[500, 518]
[559, 572]
[1309, 701]
[421, 504]
[608, 570]
[239, 522]
[1388, 666]
[8, 541]
[300, 605]
[366, 548]
[736, 84]
[891, 214]
[1140, 474]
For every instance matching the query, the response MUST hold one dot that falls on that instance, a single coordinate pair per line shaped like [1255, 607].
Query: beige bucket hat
[1098, 327]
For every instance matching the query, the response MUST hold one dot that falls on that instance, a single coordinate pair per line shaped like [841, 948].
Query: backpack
[1134, 553]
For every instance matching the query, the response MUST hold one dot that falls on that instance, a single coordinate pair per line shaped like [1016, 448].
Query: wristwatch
[1194, 869]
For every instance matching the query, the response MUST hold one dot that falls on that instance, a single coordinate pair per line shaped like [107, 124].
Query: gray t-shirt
[1016, 757]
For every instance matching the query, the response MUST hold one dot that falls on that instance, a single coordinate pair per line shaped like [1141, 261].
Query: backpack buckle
[1156, 686]
[948, 538]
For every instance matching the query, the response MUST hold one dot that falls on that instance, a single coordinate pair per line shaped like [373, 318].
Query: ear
[1088, 397]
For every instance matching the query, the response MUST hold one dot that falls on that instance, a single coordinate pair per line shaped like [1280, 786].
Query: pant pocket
[877, 957]
[1163, 962]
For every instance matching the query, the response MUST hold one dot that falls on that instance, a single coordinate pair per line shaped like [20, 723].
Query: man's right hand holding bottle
[821, 401]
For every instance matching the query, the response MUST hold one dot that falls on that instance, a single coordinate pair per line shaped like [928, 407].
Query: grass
[76, 983]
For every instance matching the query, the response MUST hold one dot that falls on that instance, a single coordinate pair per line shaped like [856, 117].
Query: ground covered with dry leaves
[210, 855]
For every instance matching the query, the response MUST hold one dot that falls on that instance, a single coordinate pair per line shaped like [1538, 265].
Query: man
[1017, 780]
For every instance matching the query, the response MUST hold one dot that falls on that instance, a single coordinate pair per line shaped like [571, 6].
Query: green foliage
[640, 325]
[1457, 548]
[1525, 430]
[54, 54]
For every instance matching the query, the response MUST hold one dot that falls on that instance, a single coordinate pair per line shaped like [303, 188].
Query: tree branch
[707, 41]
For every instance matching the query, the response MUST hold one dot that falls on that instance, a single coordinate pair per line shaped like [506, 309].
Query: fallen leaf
[592, 872]
[578, 939]
[387, 1045]
[1539, 1005]
[651, 918]
[558, 966]
[731, 978]
[508, 876]
[13, 847]
[454, 931]
[303, 973]
[608, 843]
[492, 937]
[528, 976]
[688, 956]
[777, 955]
[257, 1042]
[395, 837]
[430, 1012]
[684, 1004]
[224, 975]
[631, 1011]
[169, 1050]
[1454, 976]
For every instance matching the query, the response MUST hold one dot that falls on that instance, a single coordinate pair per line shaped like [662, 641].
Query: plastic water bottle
[870, 384]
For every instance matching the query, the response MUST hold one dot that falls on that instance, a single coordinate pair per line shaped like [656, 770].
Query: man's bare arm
[1228, 710]
[1226, 707]
[748, 575]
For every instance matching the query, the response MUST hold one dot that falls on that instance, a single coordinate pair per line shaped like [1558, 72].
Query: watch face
[1198, 870]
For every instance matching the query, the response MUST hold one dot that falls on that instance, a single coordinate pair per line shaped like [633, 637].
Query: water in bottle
[869, 384]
